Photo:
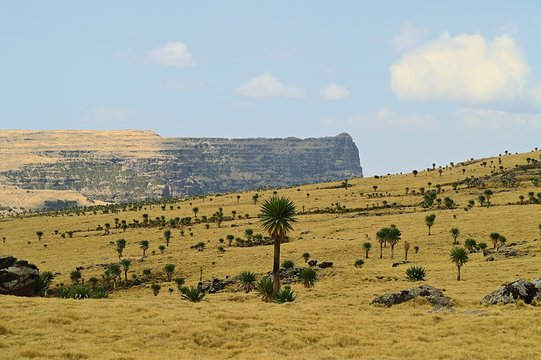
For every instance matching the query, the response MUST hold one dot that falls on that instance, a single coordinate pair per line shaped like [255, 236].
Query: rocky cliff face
[134, 165]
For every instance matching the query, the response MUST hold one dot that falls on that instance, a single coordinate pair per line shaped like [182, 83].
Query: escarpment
[117, 166]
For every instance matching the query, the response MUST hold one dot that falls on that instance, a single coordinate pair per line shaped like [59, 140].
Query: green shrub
[308, 277]
[179, 282]
[359, 263]
[155, 289]
[191, 293]
[99, 293]
[79, 292]
[306, 257]
[43, 283]
[76, 276]
[265, 289]
[247, 279]
[284, 295]
[288, 264]
[416, 273]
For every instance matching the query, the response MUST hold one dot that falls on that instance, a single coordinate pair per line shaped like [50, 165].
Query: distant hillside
[115, 166]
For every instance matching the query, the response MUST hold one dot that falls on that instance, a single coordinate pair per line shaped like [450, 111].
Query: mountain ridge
[131, 165]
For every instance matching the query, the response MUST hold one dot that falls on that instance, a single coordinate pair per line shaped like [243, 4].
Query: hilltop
[49, 169]
[333, 319]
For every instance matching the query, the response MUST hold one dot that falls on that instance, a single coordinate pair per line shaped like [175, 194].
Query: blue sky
[413, 83]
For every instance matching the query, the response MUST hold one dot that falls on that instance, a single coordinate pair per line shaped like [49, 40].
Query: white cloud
[408, 37]
[464, 68]
[385, 118]
[476, 118]
[335, 92]
[174, 54]
[106, 113]
[266, 85]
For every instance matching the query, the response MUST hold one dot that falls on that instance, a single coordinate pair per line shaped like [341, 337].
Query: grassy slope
[331, 321]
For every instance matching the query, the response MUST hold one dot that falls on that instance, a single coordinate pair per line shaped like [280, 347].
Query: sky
[414, 83]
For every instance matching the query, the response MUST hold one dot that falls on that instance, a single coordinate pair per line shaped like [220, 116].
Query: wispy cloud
[478, 118]
[408, 37]
[174, 54]
[385, 118]
[267, 85]
[109, 114]
[182, 85]
[335, 92]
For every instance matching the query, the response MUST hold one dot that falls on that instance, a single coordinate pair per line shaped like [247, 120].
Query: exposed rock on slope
[17, 277]
[134, 165]
[432, 294]
[517, 290]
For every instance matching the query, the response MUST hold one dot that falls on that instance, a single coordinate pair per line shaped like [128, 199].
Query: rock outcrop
[432, 294]
[520, 289]
[17, 278]
[135, 165]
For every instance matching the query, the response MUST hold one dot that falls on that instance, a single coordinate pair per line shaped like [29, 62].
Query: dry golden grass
[333, 320]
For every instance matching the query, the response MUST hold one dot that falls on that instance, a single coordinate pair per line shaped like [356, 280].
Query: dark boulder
[520, 289]
[17, 278]
[325, 264]
[432, 294]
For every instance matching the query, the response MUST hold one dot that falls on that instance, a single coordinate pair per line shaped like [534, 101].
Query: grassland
[333, 320]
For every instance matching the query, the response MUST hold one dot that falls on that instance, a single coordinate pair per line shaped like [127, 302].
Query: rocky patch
[17, 277]
[521, 289]
[432, 294]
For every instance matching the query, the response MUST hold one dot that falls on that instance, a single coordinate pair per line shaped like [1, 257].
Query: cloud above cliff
[386, 118]
[172, 54]
[475, 118]
[109, 114]
[463, 68]
[267, 85]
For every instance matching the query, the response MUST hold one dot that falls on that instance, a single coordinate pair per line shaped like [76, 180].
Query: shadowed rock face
[136, 165]
[520, 289]
[17, 278]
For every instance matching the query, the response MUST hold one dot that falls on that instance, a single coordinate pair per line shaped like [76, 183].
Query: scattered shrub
[43, 283]
[264, 288]
[288, 264]
[359, 263]
[247, 279]
[191, 293]
[308, 277]
[284, 295]
[79, 292]
[416, 273]
[156, 289]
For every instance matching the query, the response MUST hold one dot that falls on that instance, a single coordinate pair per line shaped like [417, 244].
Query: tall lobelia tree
[381, 236]
[366, 247]
[167, 236]
[459, 256]
[429, 221]
[393, 237]
[120, 246]
[144, 245]
[455, 232]
[277, 215]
